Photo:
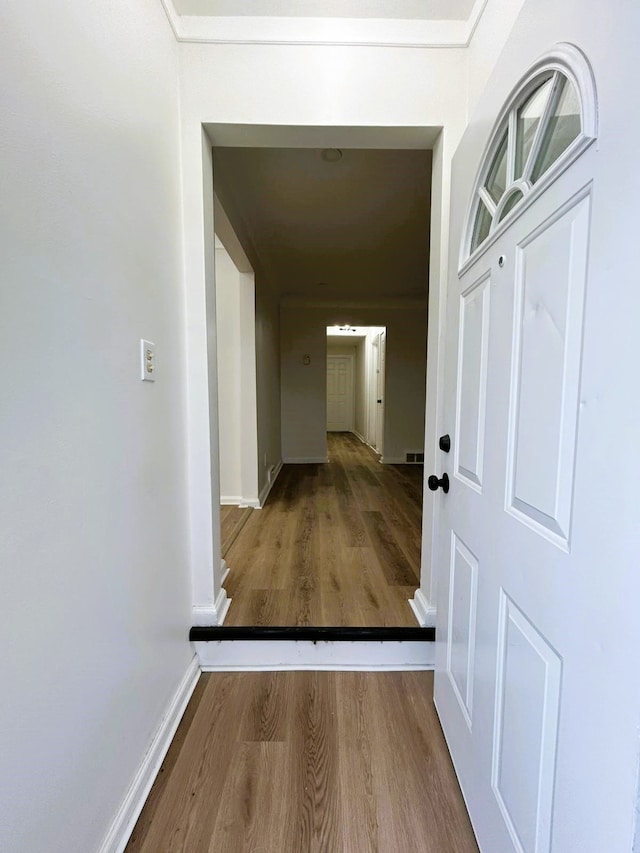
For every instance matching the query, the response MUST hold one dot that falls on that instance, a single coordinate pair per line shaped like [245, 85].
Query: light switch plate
[147, 361]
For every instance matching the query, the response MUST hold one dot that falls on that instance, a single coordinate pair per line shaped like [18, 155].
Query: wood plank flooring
[307, 762]
[232, 520]
[336, 544]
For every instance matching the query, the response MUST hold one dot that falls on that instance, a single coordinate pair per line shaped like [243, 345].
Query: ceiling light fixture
[331, 155]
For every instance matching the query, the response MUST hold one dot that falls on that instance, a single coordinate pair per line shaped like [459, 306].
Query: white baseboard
[264, 494]
[224, 569]
[305, 460]
[239, 655]
[238, 500]
[424, 612]
[223, 603]
[135, 798]
[393, 460]
[363, 440]
[211, 614]
[254, 503]
[366, 443]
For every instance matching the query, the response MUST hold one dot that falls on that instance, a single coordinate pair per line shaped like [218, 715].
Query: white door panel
[461, 628]
[525, 730]
[513, 374]
[472, 381]
[550, 279]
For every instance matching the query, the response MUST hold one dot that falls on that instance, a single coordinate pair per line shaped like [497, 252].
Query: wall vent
[415, 458]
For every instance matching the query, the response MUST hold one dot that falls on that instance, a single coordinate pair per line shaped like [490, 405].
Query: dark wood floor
[307, 762]
[336, 544]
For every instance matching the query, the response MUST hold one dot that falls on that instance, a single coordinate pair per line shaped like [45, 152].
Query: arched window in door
[548, 120]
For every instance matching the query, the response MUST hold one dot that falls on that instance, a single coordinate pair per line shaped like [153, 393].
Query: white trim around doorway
[204, 494]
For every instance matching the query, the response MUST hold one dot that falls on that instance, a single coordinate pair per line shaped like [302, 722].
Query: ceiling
[435, 10]
[354, 229]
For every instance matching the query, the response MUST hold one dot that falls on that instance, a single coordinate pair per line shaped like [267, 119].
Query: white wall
[303, 385]
[229, 345]
[248, 391]
[303, 332]
[268, 382]
[260, 339]
[93, 494]
[342, 349]
[236, 351]
[607, 589]
[488, 40]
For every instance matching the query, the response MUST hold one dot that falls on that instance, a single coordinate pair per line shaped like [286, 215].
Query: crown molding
[347, 32]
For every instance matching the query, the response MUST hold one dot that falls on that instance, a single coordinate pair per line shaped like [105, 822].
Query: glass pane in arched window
[514, 198]
[481, 226]
[529, 116]
[496, 182]
[549, 120]
[563, 127]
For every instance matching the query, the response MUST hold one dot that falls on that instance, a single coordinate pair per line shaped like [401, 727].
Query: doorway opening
[371, 271]
[355, 382]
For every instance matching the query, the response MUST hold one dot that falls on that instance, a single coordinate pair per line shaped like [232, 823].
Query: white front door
[516, 522]
[339, 393]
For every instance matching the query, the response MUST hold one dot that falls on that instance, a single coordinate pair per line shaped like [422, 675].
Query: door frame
[380, 391]
[209, 599]
[372, 424]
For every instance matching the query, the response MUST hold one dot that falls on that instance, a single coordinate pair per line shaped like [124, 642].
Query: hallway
[294, 762]
[336, 544]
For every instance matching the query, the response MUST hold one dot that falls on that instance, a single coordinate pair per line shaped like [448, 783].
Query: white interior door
[340, 394]
[516, 523]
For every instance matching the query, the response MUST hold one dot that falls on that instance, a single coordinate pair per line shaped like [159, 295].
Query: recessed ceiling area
[434, 10]
[355, 228]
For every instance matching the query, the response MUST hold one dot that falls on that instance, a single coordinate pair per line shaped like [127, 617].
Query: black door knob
[434, 483]
[445, 443]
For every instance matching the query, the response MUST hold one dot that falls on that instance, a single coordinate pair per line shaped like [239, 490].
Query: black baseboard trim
[337, 634]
